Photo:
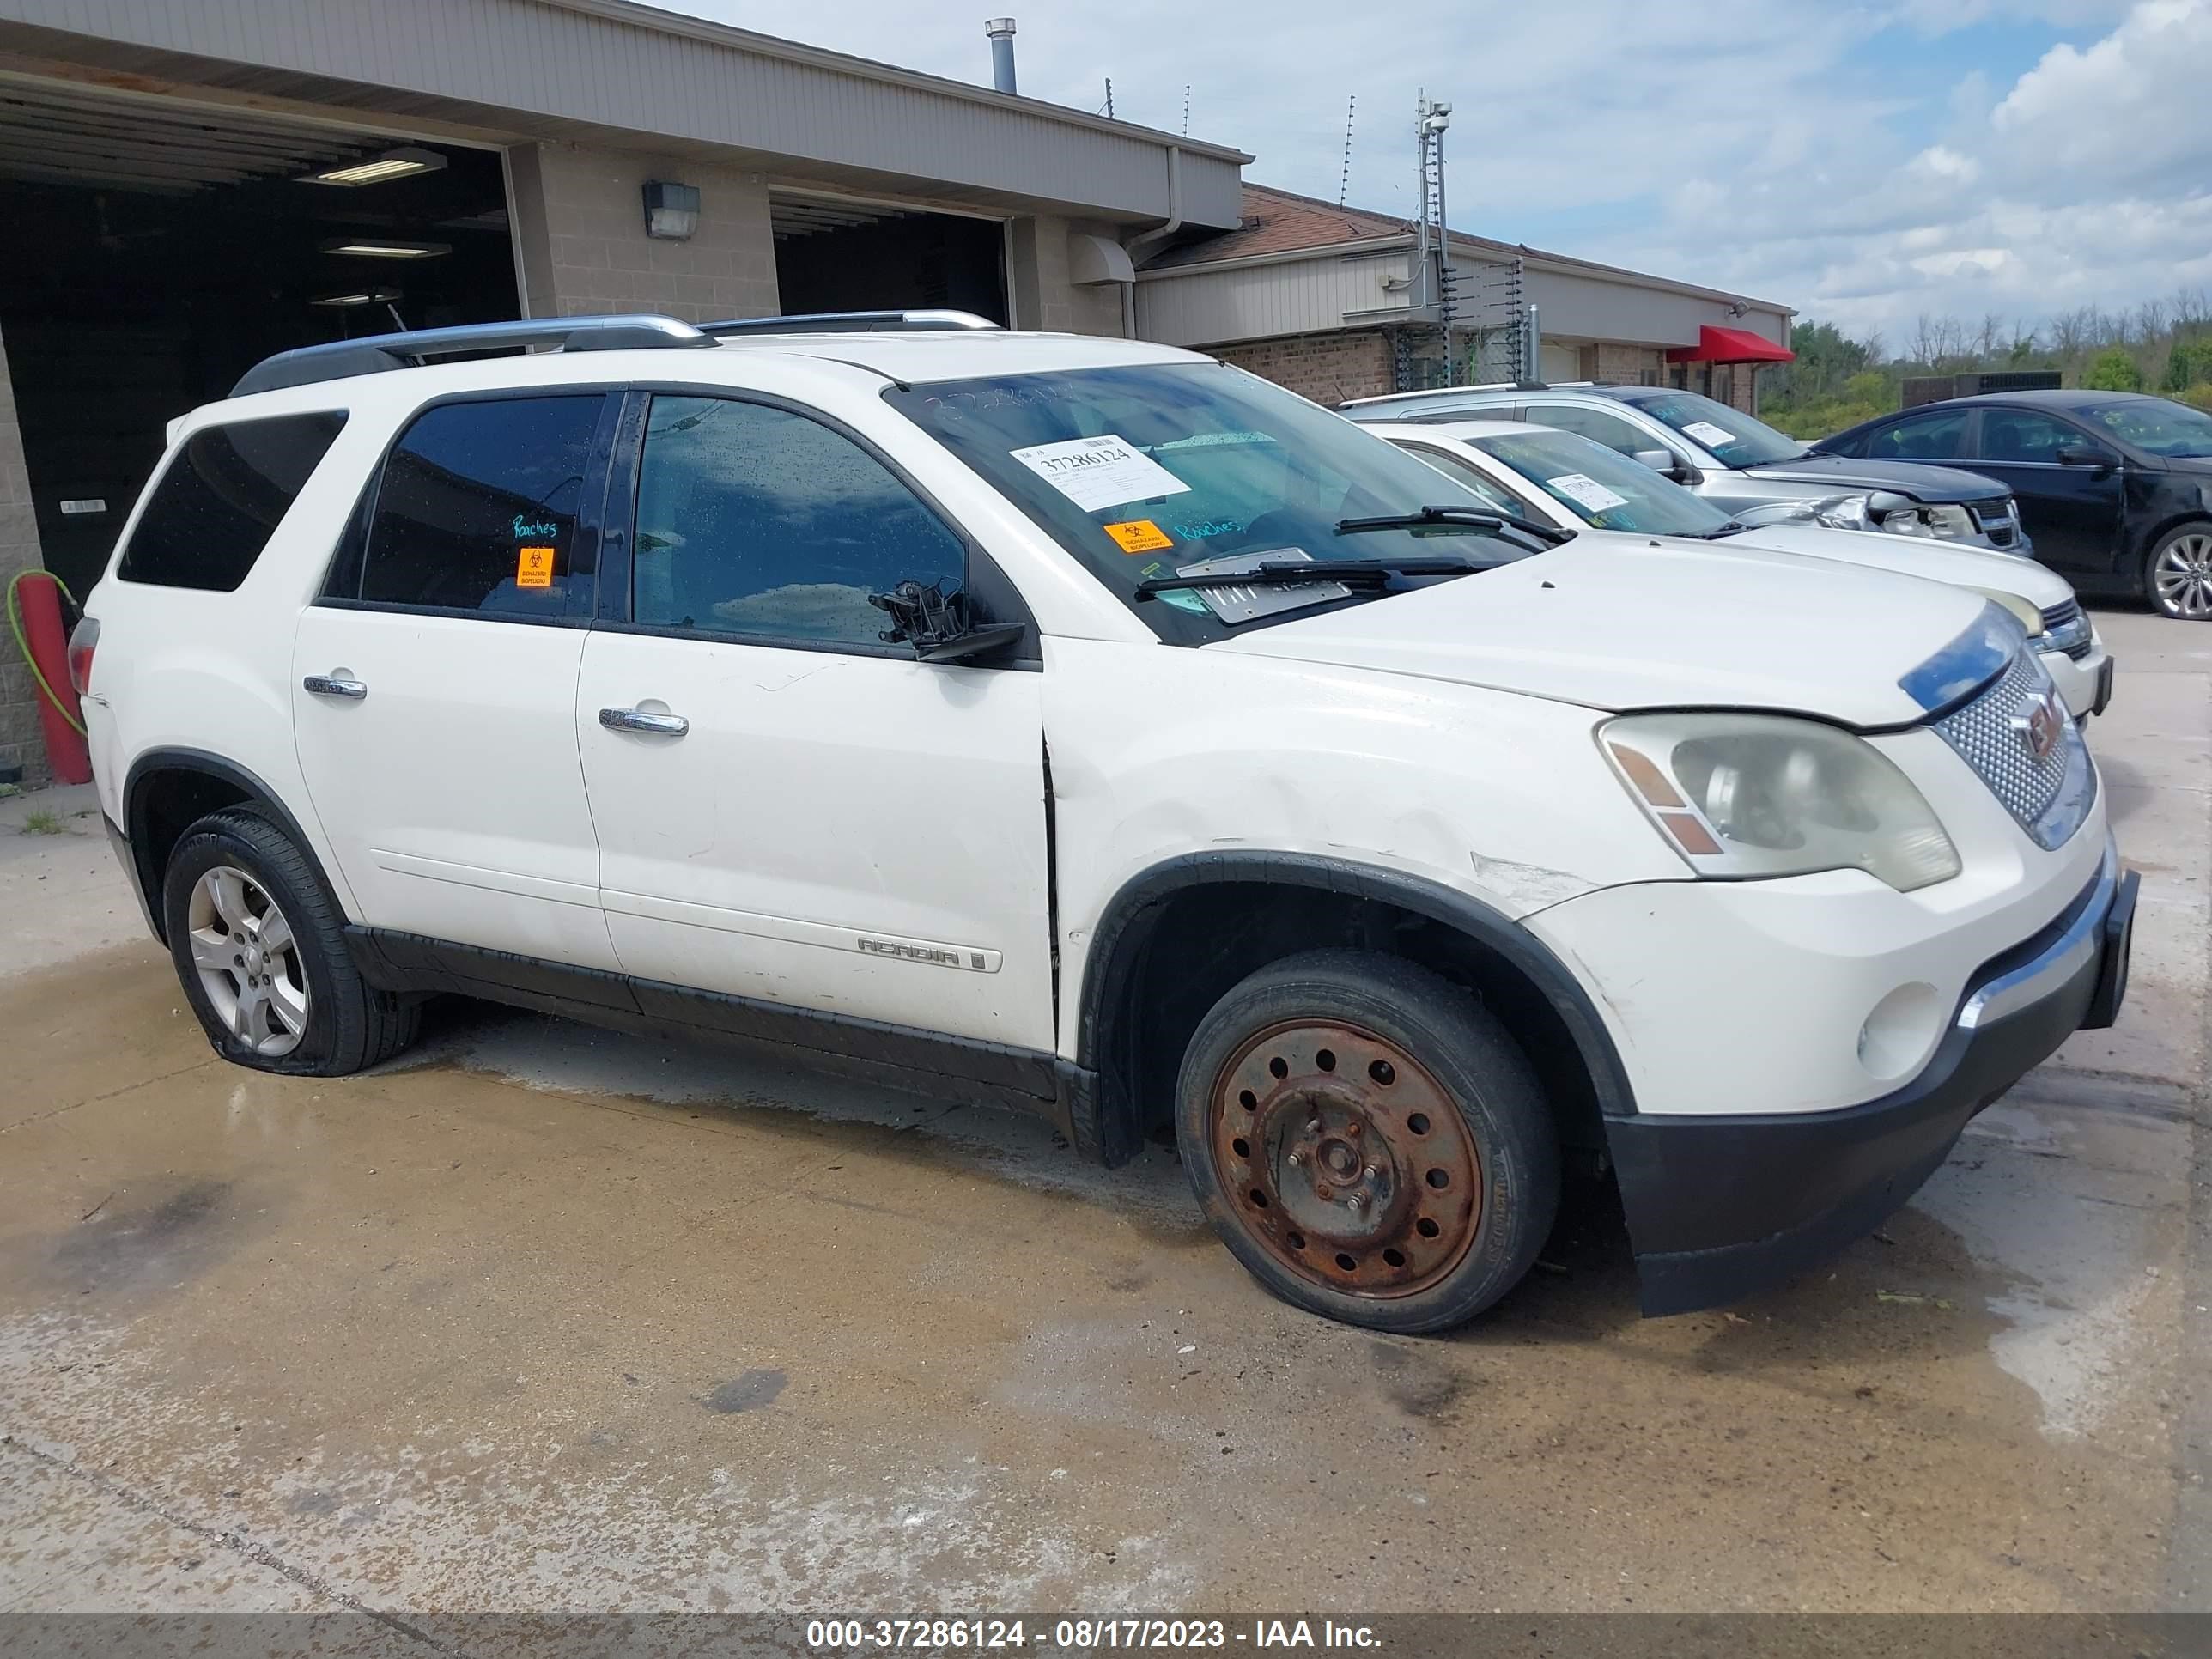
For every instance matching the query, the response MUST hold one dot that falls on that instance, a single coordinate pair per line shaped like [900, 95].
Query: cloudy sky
[1864, 160]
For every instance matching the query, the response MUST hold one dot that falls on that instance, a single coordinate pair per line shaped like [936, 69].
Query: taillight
[81, 645]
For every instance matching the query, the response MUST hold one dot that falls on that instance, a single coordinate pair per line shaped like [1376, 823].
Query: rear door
[2072, 512]
[789, 808]
[433, 680]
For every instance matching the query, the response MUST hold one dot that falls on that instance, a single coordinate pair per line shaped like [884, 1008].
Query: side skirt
[951, 1068]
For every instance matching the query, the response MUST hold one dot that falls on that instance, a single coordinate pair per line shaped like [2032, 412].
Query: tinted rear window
[477, 510]
[221, 499]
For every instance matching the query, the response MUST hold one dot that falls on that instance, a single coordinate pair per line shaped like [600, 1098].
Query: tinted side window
[1608, 429]
[1923, 438]
[216, 507]
[2021, 434]
[476, 510]
[753, 521]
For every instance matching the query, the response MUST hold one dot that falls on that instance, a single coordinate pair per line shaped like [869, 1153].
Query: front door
[2072, 512]
[434, 682]
[790, 810]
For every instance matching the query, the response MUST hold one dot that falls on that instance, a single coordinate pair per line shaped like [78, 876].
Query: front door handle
[636, 720]
[326, 685]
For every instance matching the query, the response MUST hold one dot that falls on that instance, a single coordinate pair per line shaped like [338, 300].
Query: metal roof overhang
[606, 72]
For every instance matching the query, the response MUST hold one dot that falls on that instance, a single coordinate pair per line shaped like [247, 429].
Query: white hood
[1913, 555]
[1619, 621]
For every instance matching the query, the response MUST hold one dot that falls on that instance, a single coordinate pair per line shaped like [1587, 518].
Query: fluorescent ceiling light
[402, 163]
[376, 247]
[359, 296]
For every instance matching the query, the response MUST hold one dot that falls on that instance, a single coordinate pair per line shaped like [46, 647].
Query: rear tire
[259, 946]
[1368, 1141]
[2177, 574]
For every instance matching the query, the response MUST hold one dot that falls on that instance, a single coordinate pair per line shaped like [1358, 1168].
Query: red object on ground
[1730, 345]
[42, 625]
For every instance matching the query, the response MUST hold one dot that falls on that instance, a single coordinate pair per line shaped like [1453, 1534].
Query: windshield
[1147, 471]
[1601, 487]
[2155, 424]
[1730, 436]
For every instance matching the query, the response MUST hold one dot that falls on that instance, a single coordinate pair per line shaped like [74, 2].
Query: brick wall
[21, 742]
[1615, 364]
[1326, 367]
[580, 222]
[1037, 272]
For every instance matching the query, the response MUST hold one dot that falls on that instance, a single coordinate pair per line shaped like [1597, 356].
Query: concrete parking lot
[542, 1316]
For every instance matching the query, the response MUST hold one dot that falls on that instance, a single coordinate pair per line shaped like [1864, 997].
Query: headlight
[2028, 617]
[1745, 795]
[1949, 523]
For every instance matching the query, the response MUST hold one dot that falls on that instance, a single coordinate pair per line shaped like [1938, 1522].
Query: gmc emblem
[2040, 722]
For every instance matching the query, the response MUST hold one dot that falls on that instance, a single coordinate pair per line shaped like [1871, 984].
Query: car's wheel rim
[248, 961]
[2183, 578]
[1345, 1159]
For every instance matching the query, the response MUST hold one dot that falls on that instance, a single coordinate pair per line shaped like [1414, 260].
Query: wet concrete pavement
[545, 1317]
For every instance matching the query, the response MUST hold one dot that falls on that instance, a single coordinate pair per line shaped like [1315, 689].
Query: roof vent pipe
[1001, 31]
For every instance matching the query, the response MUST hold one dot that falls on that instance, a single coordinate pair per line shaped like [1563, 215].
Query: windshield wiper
[1285, 572]
[1475, 518]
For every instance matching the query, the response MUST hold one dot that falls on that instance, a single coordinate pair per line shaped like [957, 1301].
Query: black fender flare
[1117, 947]
[136, 827]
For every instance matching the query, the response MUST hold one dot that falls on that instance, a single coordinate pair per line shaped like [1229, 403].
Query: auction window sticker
[1096, 473]
[1709, 435]
[1585, 492]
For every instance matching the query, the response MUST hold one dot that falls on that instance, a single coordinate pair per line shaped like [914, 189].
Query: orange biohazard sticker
[533, 566]
[1139, 536]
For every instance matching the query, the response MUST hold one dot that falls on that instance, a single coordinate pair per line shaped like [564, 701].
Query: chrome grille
[2067, 629]
[2049, 797]
[1998, 521]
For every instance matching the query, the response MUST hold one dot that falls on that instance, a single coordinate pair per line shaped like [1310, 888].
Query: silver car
[1735, 461]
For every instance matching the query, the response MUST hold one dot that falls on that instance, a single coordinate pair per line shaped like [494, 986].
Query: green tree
[2189, 364]
[2113, 370]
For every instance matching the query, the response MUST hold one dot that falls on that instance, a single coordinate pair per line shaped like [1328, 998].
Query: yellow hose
[23, 645]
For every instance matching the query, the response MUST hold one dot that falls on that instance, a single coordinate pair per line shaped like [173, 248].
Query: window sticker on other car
[1585, 491]
[1706, 433]
[1100, 472]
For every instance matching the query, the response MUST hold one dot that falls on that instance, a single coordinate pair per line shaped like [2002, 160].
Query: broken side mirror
[941, 627]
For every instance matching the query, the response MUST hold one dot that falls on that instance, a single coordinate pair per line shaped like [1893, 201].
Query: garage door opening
[837, 256]
[162, 252]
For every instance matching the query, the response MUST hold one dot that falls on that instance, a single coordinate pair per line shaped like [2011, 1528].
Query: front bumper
[2085, 685]
[1720, 1206]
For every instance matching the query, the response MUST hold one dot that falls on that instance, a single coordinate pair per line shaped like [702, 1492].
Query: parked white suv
[1093, 727]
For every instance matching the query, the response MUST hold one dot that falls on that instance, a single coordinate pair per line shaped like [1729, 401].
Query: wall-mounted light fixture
[672, 211]
[358, 296]
[377, 248]
[402, 163]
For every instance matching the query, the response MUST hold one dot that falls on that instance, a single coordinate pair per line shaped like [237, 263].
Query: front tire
[2178, 574]
[259, 946]
[1368, 1141]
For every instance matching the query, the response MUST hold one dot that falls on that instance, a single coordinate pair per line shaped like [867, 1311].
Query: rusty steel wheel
[1368, 1140]
[1351, 1161]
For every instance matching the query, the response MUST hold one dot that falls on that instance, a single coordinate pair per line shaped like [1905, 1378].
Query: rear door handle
[636, 720]
[323, 685]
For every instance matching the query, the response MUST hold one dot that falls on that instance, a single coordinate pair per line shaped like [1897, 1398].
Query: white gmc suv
[1090, 727]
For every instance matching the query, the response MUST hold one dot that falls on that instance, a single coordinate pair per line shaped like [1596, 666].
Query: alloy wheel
[248, 961]
[1345, 1159]
[2182, 581]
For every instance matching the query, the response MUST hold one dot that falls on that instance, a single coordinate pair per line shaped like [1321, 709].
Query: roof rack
[374, 353]
[851, 322]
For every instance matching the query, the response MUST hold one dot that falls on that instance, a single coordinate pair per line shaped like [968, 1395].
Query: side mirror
[2086, 455]
[1659, 460]
[941, 627]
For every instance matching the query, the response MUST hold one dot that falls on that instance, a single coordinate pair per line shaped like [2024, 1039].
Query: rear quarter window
[221, 497]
